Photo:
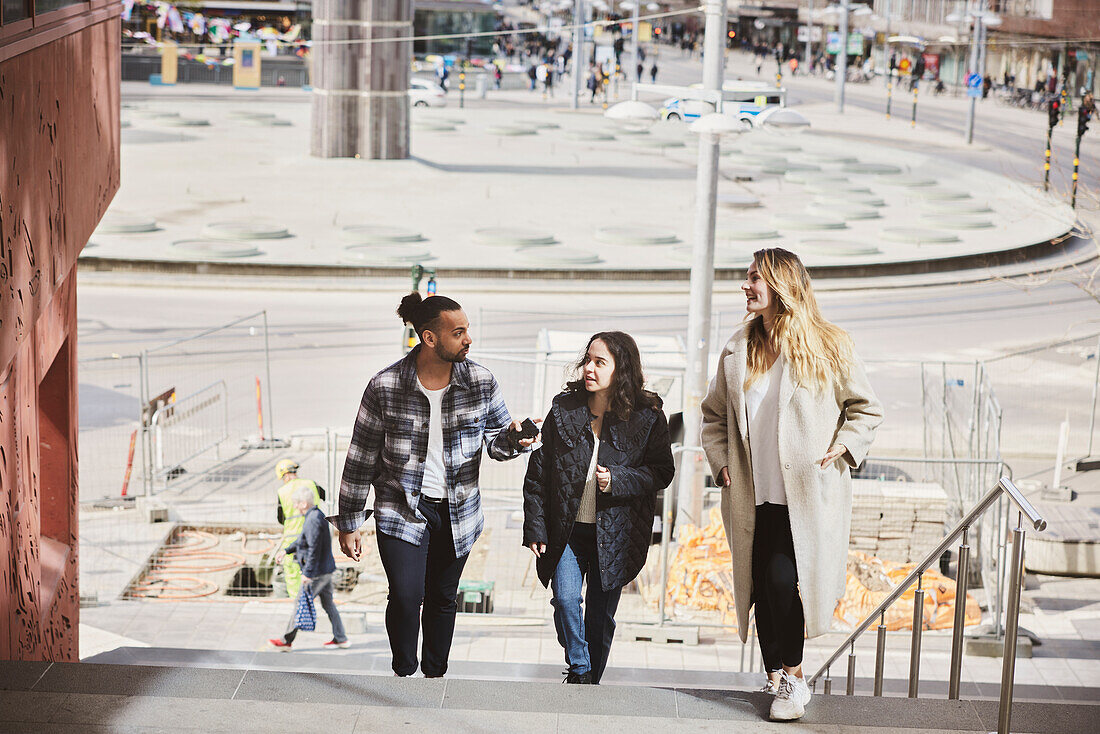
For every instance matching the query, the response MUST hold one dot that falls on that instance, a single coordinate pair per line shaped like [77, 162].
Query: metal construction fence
[188, 416]
[1044, 386]
[182, 407]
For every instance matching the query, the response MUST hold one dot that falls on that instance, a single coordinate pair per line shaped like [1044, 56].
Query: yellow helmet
[286, 466]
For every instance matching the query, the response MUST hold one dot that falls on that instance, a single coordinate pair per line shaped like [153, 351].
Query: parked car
[743, 99]
[425, 93]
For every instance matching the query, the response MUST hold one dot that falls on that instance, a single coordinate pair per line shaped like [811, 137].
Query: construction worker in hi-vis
[292, 520]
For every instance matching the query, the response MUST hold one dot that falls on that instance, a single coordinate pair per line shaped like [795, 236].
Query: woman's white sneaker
[791, 698]
[769, 686]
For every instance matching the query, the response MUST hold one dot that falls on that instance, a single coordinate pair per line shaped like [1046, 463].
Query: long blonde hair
[817, 351]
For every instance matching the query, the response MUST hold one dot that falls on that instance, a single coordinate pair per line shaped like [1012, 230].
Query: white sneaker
[791, 698]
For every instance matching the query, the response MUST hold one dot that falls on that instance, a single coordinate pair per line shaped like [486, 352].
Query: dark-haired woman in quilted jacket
[589, 495]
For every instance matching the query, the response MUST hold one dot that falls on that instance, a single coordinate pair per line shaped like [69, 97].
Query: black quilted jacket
[637, 452]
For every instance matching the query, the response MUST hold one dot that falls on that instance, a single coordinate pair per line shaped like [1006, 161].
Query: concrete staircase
[146, 698]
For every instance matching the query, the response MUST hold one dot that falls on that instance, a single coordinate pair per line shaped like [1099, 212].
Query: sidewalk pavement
[487, 188]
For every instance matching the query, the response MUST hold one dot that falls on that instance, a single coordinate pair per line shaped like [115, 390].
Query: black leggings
[780, 623]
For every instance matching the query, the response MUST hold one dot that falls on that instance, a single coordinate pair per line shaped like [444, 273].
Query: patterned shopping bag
[305, 616]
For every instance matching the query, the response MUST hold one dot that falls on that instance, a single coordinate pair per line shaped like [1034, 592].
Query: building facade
[59, 170]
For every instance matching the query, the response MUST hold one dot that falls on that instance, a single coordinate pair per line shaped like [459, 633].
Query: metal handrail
[1005, 487]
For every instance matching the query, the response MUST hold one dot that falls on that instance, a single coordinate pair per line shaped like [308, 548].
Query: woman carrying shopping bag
[790, 412]
[589, 495]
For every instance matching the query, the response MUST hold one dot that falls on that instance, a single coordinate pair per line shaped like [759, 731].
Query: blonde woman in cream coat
[788, 415]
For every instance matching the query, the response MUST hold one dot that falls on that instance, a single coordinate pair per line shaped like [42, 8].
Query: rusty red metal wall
[59, 170]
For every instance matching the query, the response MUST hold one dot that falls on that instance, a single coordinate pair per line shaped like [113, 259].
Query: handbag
[305, 616]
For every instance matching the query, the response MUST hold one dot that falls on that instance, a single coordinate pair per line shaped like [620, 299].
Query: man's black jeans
[426, 575]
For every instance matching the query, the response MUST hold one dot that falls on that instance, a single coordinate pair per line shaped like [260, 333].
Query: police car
[744, 99]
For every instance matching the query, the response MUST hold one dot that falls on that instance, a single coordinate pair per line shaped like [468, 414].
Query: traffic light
[1083, 116]
[1053, 112]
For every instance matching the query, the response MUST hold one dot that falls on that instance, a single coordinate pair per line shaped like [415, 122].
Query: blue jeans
[586, 636]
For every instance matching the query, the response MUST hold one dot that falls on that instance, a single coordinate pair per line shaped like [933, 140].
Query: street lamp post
[690, 495]
[810, 38]
[981, 19]
[842, 57]
[578, 50]
[634, 38]
[888, 72]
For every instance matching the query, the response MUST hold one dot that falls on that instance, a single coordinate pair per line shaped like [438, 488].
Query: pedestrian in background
[422, 426]
[789, 413]
[590, 493]
[653, 73]
[313, 551]
[291, 520]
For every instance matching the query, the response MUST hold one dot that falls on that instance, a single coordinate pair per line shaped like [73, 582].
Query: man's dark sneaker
[584, 678]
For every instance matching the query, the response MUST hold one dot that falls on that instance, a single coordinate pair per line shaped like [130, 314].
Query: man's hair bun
[410, 304]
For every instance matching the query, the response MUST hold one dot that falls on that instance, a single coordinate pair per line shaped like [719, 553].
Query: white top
[587, 511]
[762, 404]
[434, 484]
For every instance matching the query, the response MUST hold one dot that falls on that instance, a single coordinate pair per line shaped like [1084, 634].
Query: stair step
[123, 697]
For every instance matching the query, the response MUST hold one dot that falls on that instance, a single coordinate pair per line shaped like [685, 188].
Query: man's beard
[458, 356]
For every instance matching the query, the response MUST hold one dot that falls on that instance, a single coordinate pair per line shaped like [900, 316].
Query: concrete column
[360, 89]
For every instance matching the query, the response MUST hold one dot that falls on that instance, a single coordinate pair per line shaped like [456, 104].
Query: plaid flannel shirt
[390, 442]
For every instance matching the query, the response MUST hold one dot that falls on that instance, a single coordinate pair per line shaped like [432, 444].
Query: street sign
[855, 43]
[973, 85]
[815, 35]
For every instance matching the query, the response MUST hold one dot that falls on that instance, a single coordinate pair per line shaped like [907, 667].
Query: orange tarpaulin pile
[870, 579]
[700, 577]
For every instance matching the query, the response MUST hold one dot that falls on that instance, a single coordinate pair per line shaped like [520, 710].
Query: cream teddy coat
[819, 500]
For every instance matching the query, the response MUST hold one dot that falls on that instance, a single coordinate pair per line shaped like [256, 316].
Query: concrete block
[993, 647]
[355, 623]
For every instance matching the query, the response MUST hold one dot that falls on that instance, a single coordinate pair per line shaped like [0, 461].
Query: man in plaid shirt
[418, 439]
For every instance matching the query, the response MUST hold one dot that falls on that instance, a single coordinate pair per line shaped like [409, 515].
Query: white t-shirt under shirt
[762, 406]
[434, 484]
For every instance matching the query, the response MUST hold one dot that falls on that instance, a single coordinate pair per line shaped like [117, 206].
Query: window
[46, 6]
[13, 10]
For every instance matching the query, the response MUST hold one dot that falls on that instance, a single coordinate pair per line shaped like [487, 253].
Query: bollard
[778, 79]
[889, 95]
[1084, 114]
[1076, 165]
[913, 120]
[462, 88]
[1046, 163]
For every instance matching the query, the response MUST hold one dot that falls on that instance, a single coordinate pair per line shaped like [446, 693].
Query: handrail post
[1012, 628]
[828, 683]
[880, 654]
[850, 688]
[914, 648]
[961, 583]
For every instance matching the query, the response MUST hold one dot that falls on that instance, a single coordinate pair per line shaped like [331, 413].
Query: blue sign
[973, 85]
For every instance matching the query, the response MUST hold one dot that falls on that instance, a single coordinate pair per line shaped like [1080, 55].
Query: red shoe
[280, 644]
[333, 643]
